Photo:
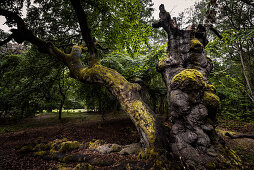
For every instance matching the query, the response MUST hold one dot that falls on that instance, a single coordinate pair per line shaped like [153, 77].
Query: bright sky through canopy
[172, 6]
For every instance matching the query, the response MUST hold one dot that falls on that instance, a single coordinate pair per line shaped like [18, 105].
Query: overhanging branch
[11, 16]
[23, 34]
[216, 32]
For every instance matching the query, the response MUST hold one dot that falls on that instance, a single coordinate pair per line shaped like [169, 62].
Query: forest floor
[87, 127]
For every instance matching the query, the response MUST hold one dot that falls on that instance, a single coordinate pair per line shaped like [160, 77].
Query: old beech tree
[192, 138]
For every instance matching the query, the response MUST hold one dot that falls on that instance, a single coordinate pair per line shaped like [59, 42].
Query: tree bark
[60, 110]
[191, 98]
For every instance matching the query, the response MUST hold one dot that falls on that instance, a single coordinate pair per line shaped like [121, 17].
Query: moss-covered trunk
[192, 98]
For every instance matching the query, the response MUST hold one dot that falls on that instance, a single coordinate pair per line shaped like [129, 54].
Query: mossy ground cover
[113, 130]
[46, 128]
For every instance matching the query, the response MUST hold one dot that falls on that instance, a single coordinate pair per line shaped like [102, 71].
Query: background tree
[232, 55]
[26, 79]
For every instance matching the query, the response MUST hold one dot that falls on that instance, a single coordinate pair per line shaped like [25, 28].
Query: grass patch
[46, 119]
[13, 128]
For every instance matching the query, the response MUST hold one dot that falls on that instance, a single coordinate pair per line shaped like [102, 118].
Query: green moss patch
[83, 166]
[69, 146]
[158, 159]
[189, 79]
[26, 149]
[196, 45]
[41, 147]
[56, 150]
[40, 153]
[63, 145]
[211, 100]
[95, 144]
[161, 64]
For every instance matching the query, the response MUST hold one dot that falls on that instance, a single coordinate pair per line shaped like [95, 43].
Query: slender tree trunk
[61, 107]
[60, 110]
[250, 94]
[62, 93]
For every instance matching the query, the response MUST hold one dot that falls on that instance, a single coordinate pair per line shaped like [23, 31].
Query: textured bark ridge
[191, 97]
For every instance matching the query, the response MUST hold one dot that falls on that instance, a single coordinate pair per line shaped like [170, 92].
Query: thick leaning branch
[127, 93]
[11, 16]
[216, 32]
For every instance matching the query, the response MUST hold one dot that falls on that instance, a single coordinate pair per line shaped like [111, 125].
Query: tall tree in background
[237, 18]
[235, 53]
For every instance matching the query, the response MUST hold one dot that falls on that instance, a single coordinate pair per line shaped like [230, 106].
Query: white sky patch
[2, 25]
[174, 7]
[3, 20]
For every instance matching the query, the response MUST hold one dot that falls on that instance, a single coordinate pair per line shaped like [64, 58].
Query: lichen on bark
[192, 99]
[127, 94]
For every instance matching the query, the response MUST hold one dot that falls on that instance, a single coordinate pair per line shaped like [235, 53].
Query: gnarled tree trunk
[192, 98]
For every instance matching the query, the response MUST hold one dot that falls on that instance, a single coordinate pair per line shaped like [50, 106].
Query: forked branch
[86, 32]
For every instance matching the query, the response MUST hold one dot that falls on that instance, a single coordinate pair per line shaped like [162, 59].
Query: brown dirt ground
[118, 130]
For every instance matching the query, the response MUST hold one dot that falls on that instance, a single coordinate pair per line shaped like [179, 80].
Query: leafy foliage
[232, 55]
[98, 98]
[118, 25]
[28, 82]
[234, 102]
